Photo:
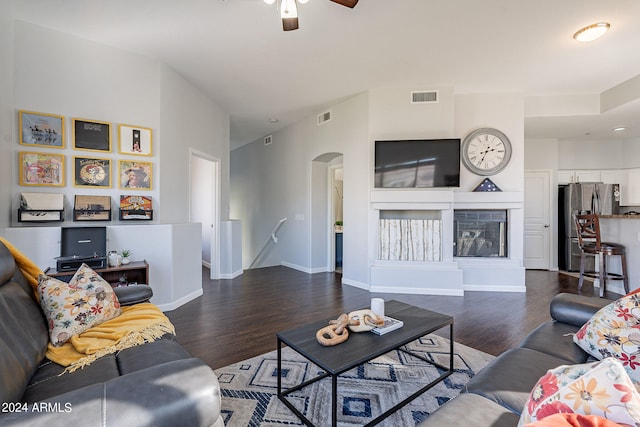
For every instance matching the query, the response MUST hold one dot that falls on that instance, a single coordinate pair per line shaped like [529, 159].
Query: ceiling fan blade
[348, 3]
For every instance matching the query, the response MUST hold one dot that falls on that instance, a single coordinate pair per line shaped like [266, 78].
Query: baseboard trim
[304, 269]
[498, 288]
[182, 301]
[355, 283]
[231, 275]
[417, 291]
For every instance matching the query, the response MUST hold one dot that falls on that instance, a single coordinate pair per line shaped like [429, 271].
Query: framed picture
[91, 135]
[91, 172]
[41, 169]
[134, 174]
[41, 129]
[136, 208]
[92, 208]
[134, 140]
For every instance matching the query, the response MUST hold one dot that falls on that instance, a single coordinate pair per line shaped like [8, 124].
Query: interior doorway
[204, 200]
[327, 213]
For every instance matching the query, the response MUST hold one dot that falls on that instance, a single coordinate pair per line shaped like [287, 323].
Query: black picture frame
[91, 135]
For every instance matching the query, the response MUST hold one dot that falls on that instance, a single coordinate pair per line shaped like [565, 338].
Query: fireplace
[480, 233]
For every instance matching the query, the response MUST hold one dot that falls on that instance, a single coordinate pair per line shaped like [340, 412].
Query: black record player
[74, 262]
[80, 245]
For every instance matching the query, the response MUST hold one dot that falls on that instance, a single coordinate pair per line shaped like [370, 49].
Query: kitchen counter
[622, 216]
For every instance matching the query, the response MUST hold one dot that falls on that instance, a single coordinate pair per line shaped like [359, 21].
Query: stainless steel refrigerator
[598, 198]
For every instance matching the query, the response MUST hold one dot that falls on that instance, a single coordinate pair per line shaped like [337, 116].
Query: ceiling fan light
[591, 32]
[288, 9]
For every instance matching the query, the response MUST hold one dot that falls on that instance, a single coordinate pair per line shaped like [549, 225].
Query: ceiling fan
[289, 11]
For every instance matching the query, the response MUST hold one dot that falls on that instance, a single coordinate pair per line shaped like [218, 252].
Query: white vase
[125, 260]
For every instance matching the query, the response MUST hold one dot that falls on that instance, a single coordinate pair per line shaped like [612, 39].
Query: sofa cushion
[150, 354]
[50, 381]
[615, 331]
[573, 420]
[574, 309]
[509, 378]
[72, 308]
[600, 388]
[556, 339]
[471, 410]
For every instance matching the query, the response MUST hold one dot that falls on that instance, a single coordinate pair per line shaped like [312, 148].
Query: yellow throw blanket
[138, 324]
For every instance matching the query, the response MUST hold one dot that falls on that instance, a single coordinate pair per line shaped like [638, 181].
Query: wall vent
[268, 139]
[324, 117]
[424, 97]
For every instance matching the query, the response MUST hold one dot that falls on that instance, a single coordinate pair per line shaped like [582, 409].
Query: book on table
[390, 324]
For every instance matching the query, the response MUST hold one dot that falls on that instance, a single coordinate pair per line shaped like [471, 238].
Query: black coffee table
[361, 348]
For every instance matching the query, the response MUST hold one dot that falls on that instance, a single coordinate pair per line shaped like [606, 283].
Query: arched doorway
[326, 211]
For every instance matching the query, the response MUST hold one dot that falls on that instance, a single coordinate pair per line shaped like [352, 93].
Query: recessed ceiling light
[273, 120]
[619, 129]
[591, 32]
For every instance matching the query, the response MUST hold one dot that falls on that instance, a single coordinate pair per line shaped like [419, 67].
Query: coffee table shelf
[361, 348]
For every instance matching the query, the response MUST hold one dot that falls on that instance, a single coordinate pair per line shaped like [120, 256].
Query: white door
[537, 219]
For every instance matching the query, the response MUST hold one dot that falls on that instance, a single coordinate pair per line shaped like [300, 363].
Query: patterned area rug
[249, 387]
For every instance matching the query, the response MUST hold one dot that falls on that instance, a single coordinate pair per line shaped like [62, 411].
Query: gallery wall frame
[136, 207]
[135, 174]
[41, 169]
[92, 208]
[41, 129]
[135, 140]
[91, 172]
[91, 135]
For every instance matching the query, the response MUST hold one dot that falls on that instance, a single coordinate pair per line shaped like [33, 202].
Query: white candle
[377, 306]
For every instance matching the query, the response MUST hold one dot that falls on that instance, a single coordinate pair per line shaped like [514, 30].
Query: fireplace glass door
[480, 233]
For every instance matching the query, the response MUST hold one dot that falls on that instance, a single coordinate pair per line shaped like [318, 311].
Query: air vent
[324, 117]
[268, 139]
[424, 97]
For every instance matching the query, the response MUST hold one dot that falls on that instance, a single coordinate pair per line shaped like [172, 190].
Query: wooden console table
[134, 272]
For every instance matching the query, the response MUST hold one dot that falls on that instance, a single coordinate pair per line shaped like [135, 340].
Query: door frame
[214, 265]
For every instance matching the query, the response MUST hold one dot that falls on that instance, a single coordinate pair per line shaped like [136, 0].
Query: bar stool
[590, 243]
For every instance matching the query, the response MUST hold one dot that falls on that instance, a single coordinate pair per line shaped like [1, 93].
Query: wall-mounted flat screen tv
[417, 163]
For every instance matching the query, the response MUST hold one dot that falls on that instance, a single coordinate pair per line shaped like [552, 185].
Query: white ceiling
[236, 51]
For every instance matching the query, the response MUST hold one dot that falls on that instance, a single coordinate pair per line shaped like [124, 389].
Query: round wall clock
[486, 151]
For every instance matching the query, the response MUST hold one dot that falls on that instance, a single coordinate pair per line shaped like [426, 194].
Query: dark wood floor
[237, 319]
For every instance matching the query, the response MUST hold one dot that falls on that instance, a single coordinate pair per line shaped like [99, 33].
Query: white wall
[189, 120]
[541, 154]
[597, 154]
[74, 77]
[87, 80]
[274, 181]
[82, 79]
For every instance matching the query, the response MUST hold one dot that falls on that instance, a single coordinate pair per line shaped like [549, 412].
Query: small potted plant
[126, 253]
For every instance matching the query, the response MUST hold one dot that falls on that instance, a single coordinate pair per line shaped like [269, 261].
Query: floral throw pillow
[72, 308]
[614, 331]
[600, 388]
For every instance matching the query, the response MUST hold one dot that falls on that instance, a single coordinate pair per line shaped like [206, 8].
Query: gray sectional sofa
[153, 384]
[496, 396]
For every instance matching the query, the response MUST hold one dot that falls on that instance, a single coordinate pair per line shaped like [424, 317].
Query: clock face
[486, 151]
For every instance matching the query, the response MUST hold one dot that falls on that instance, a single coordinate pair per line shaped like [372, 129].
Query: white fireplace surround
[450, 275]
